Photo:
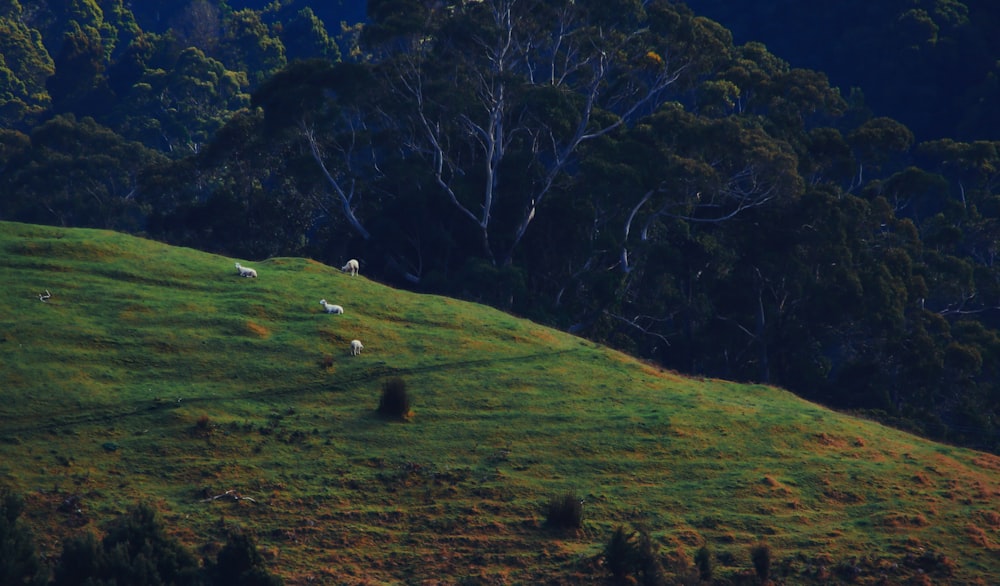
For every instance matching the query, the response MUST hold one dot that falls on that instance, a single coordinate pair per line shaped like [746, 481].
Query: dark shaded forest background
[810, 200]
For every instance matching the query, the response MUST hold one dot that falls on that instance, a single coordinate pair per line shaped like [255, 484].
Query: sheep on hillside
[330, 308]
[352, 266]
[356, 347]
[246, 271]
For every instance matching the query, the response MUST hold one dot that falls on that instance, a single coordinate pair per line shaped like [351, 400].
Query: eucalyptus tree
[305, 36]
[25, 64]
[249, 45]
[77, 173]
[326, 108]
[504, 94]
[176, 102]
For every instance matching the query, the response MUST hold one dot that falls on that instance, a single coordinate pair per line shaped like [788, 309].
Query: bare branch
[345, 197]
[634, 323]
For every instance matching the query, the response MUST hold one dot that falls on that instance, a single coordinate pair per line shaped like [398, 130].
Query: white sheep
[352, 266]
[330, 308]
[246, 271]
[356, 347]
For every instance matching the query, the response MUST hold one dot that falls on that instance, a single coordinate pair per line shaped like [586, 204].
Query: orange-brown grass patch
[991, 518]
[844, 497]
[258, 311]
[255, 329]
[830, 441]
[333, 337]
[132, 312]
[980, 537]
[987, 461]
[904, 521]
[770, 486]
[312, 266]
[689, 538]
[545, 336]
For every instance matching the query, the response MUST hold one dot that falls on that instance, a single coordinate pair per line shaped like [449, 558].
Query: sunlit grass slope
[155, 373]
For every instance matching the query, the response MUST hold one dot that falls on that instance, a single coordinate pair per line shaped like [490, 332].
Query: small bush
[135, 550]
[203, 426]
[633, 558]
[565, 512]
[619, 553]
[239, 562]
[703, 559]
[19, 561]
[395, 400]
[760, 555]
[649, 568]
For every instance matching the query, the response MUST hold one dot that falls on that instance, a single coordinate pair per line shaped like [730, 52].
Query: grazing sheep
[246, 271]
[356, 347]
[352, 266]
[330, 308]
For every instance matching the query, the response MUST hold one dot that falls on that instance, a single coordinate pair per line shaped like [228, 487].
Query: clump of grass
[565, 512]
[395, 401]
[202, 427]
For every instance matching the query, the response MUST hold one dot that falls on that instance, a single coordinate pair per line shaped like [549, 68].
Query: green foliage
[78, 84]
[25, 64]
[760, 557]
[704, 559]
[619, 553]
[19, 562]
[395, 399]
[135, 550]
[68, 157]
[248, 45]
[918, 54]
[305, 37]
[239, 562]
[565, 512]
[633, 557]
[701, 199]
[511, 414]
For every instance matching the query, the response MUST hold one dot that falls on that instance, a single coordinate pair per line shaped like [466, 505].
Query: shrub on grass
[633, 558]
[760, 555]
[395, 401]
[619, 553]
[19, 562]
[565, 512]
[136, 550]
[203, 426]
[649, 570]
[703, 559]
[239, 562]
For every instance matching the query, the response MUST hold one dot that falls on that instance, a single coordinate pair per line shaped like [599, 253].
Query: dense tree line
[620, 169]
[932, 64]
[135, 549]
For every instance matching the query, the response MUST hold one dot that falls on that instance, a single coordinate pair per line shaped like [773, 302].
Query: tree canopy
[625, 170]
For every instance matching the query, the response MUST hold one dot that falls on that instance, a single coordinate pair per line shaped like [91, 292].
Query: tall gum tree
[505, 93]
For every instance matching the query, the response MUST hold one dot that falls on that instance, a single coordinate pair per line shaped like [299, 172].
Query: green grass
[155, 373]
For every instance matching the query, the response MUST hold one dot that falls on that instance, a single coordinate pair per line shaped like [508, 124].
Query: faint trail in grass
[105, 416]
[385, 370]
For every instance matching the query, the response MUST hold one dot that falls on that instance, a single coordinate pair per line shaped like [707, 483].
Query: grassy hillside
[155, 373]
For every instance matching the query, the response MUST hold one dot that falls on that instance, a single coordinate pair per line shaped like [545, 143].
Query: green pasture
[156, 373]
